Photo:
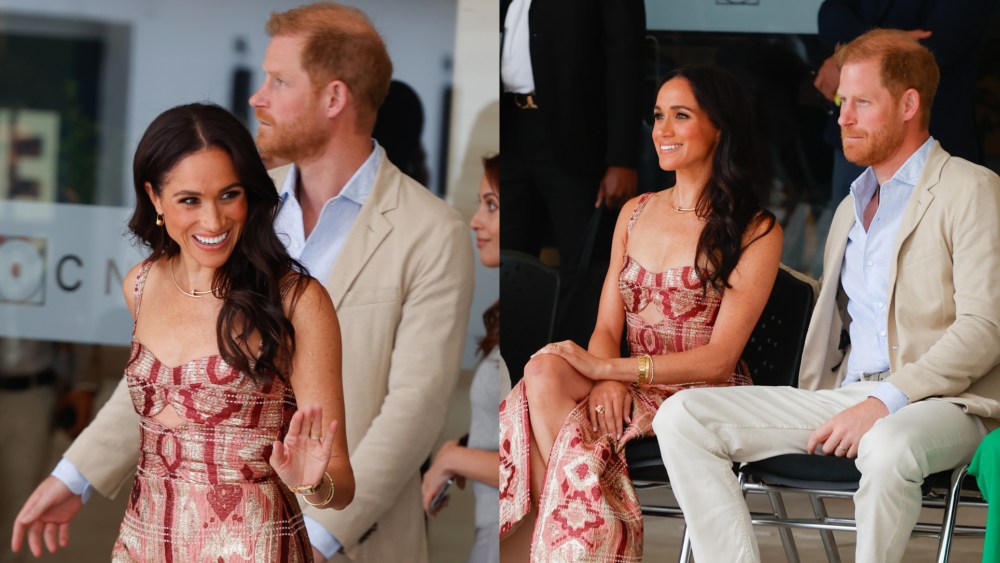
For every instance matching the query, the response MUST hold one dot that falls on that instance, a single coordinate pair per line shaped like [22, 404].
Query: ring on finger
[599, 409]
[316, 436]
[842, 448]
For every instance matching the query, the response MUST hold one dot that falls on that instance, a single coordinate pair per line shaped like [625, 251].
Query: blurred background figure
[570, 118]
[475, 456]
[398, 128]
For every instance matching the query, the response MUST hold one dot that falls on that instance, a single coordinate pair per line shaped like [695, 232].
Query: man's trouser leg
[894, 457]
[702, 431]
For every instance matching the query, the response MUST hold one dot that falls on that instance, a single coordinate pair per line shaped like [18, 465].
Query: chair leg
[829, 543]
[685, 556]
[787, 540]
[951, 513]
[778, 508]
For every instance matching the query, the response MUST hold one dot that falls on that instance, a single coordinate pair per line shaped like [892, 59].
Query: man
[397, 263]
[571, 71]
[909, 265]
[952, 30]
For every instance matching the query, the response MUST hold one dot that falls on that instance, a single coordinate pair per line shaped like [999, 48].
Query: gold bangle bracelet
[329, 496]
[643, 377]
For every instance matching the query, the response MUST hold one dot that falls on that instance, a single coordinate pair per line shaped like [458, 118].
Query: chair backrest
[529, 293]
[774, 351]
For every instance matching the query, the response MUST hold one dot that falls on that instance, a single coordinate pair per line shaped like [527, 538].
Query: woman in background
[478, 459]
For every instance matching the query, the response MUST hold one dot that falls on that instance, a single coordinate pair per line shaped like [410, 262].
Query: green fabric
[985, 467]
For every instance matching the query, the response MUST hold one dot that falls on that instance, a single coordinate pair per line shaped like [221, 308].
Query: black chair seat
[804, 471]
[644, 461]
[830, 473]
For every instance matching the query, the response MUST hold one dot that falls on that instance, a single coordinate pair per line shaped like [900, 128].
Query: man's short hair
[341, 44]
[904, 62]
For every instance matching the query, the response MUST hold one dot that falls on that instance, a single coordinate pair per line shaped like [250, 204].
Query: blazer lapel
[369, 231]
[920, 200]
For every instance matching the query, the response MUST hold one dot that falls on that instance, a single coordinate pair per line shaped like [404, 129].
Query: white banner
[61, 272]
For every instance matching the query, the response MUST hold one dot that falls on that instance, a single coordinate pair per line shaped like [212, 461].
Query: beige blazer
[402, 287]
[944, 299]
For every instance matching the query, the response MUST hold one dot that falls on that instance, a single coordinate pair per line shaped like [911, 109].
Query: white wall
[182, 51]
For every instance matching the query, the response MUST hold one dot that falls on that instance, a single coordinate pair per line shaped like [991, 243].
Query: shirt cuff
[321, 538]
[66, 472]
[889, 394]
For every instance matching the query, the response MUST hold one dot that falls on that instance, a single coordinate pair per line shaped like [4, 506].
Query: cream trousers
[702, 431]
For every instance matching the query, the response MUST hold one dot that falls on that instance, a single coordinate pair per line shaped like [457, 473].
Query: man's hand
[828, 78]
[47, 513]
[841, 434]
[617, 187]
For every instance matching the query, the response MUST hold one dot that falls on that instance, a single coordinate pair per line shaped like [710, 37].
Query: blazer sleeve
[624, 28]
[970, 346]
[107, 451]
[423, 372]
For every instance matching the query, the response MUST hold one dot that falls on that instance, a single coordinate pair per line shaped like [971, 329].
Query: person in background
[691, 270]
[570, 128]
[477, 458]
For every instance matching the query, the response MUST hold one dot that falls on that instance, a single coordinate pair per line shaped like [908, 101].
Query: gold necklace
[194, 292]
[678, 208]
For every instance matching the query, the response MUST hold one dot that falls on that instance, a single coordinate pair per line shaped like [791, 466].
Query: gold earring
[159, 219]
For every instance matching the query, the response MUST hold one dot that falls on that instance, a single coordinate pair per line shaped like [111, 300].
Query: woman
[478, 460]
[228, 332]
[691, 269]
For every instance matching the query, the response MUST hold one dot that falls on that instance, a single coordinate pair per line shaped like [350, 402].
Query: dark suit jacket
[958, 28]
[587, 60]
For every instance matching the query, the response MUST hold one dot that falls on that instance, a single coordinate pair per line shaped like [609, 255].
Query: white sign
[737, 16]
[61, 272]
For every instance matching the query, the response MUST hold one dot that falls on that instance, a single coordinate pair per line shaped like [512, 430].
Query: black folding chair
[773, 355]
[530, 294]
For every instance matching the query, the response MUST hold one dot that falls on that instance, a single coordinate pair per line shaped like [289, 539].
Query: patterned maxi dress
[588, 510]
[204, 491]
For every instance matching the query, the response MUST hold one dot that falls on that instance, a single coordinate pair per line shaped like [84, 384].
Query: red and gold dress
[588, 510]
[204, 490]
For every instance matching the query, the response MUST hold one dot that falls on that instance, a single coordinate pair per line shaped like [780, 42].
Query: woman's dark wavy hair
[491, 317]
[251, 281]
[729, 202]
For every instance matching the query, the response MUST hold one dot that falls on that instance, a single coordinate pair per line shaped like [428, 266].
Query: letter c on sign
[59, 272]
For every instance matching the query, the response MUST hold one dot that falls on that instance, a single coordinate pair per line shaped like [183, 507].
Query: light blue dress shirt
[865, 274]
[317, 253]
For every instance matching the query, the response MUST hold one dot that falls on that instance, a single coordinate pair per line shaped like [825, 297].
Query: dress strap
[140, 284]
[643, 200]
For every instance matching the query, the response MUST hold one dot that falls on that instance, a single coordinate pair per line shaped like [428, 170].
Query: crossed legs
[553, 388]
